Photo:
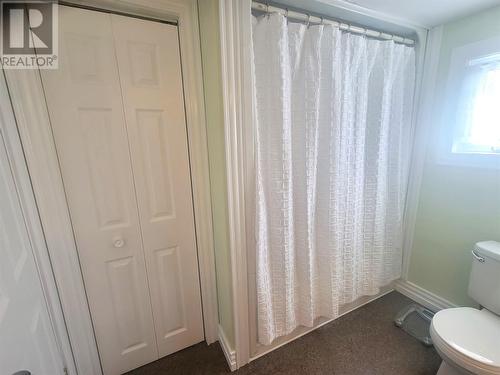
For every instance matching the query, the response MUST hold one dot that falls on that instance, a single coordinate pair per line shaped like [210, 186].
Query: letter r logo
[27, 26]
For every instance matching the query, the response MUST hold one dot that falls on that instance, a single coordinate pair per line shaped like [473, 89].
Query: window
[469, 110]
[478, 113]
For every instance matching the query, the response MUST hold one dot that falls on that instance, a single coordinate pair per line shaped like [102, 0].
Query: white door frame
[33, 225]
[235, 27]
[33, 122]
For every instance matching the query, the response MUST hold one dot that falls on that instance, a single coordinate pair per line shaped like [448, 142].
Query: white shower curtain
[333, 128]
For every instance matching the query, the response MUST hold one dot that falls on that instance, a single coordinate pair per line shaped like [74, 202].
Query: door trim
[237, 91]
[32, 221]
[33, 122]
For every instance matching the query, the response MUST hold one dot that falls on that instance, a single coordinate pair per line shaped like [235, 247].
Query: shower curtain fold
[333, 134]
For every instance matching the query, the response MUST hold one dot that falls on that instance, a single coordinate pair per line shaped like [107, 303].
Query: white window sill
[484, 161]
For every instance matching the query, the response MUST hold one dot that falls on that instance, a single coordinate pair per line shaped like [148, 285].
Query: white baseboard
[422, 296]
[229, 353]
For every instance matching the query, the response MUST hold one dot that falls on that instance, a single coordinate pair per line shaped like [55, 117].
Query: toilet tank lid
[490, 249]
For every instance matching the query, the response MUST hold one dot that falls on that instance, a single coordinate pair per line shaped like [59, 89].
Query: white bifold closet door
[117, 113]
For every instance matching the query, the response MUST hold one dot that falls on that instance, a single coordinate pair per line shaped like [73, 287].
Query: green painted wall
[210, 49]
[458, 205]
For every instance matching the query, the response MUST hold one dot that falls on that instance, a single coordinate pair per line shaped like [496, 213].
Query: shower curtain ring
[308, 19]
[268, 14]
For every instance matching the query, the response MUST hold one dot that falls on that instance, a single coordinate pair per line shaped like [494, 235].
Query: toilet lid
[469, 336]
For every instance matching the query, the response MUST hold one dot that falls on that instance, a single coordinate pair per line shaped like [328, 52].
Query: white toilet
[468, 339]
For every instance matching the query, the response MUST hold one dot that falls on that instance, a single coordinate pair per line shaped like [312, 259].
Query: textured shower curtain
[333, 128]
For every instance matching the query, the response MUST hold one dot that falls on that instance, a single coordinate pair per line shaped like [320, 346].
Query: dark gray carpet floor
[365, 341]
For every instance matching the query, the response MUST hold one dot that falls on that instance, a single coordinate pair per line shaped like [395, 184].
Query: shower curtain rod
[266, 8]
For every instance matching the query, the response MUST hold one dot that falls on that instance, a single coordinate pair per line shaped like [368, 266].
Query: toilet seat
[469, 337]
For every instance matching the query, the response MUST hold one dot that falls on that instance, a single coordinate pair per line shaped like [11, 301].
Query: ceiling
[426, 13]
[400, 17]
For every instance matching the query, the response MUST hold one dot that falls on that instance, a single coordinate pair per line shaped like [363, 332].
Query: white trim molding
[229, 353]
[15, 153]
[423, 296]
[26, 91]
[235, 28]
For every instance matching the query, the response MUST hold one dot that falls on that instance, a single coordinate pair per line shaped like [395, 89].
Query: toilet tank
[484, 281]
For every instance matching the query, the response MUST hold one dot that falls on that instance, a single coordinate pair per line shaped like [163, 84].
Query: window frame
[451, 131]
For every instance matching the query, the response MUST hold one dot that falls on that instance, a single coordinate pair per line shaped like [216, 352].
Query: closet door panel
[150, 74]
[86, 112]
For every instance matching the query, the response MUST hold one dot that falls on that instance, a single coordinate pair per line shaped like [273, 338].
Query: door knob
[118, 242]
